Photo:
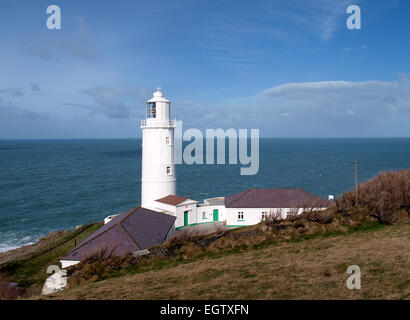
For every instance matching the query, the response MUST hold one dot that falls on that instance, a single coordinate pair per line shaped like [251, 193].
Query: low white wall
[68, 263]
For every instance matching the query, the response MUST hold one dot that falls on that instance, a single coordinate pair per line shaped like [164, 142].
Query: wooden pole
[355, 183]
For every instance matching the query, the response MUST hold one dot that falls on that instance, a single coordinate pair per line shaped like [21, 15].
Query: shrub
[273, 219]
[383, 196]
[7, 290]
[99, 265]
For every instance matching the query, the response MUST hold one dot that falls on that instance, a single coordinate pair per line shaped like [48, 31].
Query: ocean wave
[15, 242]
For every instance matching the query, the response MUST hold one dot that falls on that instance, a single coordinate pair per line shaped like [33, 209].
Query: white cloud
[327, 108]
[321, 17]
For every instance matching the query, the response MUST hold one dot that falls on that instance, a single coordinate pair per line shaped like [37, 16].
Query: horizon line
[139, 138]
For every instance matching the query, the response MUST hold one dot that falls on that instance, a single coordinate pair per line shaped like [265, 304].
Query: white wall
[230, 215]
[209, 213]
[191, 207]
[156, 157]
[68, 263]
[178, 211]
[158, 206]
[253, 216]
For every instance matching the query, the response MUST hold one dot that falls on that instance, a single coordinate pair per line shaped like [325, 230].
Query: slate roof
[173, 200]
[130, 231]
[274, 198]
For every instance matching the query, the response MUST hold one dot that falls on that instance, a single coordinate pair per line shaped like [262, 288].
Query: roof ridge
[168, 232]
[179, 198]
[87, 240]
[119, 223]
[128, 235]
[131, 212]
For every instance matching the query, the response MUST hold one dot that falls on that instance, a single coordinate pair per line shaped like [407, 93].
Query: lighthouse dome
[158, 96]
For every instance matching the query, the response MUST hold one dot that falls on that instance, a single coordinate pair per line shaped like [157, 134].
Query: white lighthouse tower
[158, 177]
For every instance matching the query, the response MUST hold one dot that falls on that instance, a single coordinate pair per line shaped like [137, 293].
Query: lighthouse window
[169, 172]
[151, 110]
[167, 140]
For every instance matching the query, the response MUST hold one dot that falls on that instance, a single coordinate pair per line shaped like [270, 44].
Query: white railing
[169, 123]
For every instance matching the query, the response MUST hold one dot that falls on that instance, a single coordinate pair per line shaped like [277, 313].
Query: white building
[158, 177]
[189, 213]
[158, 183]
[241, 209]
[212, 210]
[184, 209]
[254, 205]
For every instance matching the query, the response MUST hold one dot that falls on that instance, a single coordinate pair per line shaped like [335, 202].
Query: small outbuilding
[184, 209]
[128, 232]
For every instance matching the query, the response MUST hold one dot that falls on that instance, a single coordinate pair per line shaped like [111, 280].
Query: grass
[302, 257]
[314, 268]
[30, 270]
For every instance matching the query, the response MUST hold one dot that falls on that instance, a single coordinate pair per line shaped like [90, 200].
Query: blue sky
[288, 68]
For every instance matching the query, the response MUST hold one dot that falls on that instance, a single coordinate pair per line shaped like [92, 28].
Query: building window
[264, 215]
[168, 140]
[151, 110]
[240, 215]
[204, 215]
[169, 171]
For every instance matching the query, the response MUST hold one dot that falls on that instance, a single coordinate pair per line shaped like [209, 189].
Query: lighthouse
[158, 177]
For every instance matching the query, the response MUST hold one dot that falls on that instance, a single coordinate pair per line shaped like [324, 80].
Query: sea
[50, 185]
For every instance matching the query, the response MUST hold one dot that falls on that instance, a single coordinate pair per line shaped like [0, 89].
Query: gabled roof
[130, 231]
[274, 198]
[173, 200]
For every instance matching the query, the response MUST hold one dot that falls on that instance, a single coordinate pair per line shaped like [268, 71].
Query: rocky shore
[43, 243]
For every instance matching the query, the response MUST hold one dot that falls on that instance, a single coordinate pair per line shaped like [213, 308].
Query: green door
[216, 218]
[185, 218]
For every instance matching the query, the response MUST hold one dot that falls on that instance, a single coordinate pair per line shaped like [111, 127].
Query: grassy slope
[310, 269]
[31, 272]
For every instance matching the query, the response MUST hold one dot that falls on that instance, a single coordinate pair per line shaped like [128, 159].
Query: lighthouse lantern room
[158, 177]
